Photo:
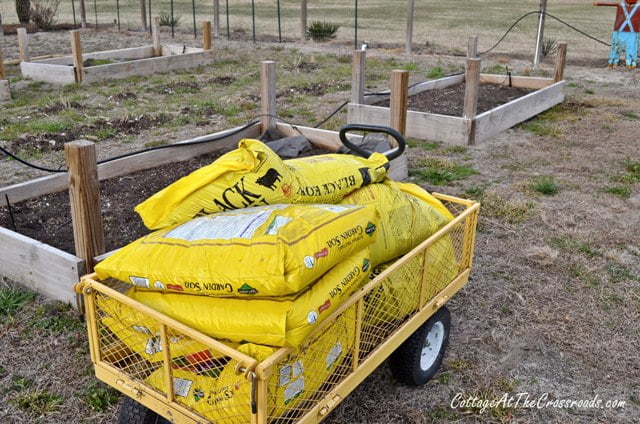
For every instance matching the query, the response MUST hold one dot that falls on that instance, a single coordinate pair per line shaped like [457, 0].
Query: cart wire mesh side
[189, 377]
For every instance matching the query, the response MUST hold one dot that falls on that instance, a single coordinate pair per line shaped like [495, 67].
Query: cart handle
[391, 154]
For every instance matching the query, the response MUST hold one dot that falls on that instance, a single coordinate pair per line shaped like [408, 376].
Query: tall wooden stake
[216, 18]
[155, 36]
[143, 15]
[472, 46]
[23, 45]
[409, 40]
[561, 60]
[303, 20]
[540, 35]
[357, 76]
[268, 94]
[84, 194]
[398, 101]
[206, 34]
[83, 14]
[76, 54]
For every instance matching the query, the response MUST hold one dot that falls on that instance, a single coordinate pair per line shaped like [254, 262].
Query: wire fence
[437, 24]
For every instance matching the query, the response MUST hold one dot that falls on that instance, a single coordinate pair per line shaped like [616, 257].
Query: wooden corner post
[84, 195]
[398, 101]
[561, 61]
[471, 86]
[268, 94]
[206, 34]
[155, 35]
[23, 45]
[357, 76]
[76, 53]
[471, 92]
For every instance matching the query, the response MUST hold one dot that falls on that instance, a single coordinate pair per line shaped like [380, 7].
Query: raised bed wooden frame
[471, 128]
[5, 94]
[143, 60]
[53, 272]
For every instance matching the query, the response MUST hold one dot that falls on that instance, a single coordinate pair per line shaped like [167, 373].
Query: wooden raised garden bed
[114, 64]
[52, 271]
[470, 127]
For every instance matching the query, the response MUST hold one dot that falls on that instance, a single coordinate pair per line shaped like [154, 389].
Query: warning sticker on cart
[285, 375]
[333, 354]
[297, 369]
[181, 386]
[293, 390]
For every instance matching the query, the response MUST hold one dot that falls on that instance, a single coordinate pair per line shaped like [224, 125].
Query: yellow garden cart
[171, 372]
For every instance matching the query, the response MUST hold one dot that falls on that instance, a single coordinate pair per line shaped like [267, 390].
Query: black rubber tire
[132, 412]
[405, 361]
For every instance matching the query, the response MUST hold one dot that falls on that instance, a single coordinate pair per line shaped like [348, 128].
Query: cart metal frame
[461, 229]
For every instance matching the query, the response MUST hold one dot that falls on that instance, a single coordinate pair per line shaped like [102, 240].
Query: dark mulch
[48, 218]
[450, 100]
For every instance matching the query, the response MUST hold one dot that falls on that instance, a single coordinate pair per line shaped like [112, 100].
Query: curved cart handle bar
[391, 154]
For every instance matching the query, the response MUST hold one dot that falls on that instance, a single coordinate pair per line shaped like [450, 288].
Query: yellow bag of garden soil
[274, 321]
[271, 250]
[398, 295]
[141, 334]
[226, 398]
[254, 175]
[405, 219]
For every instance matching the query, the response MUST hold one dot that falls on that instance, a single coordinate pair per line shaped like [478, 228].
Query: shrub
[167, 20]
[22, 10]
[43, 13]
[549, 47]
[322, 30]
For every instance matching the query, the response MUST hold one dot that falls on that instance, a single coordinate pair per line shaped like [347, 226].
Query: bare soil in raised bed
[450, 100]
[48, 218]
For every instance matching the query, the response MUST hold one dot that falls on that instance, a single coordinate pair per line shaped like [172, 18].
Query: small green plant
[38, 402]
[410, 67]
[13, 299]
[322, 30]
[435, 72]
[444, 378]
[549, 47]
[56, 317]
[168, 21]
[99, 397]
[497, 69]
[546, 185]
[589, 91]
[440, 172]
[96, 62]
[20, 383]
[622, 191]
[630, 115]
[474, 193]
